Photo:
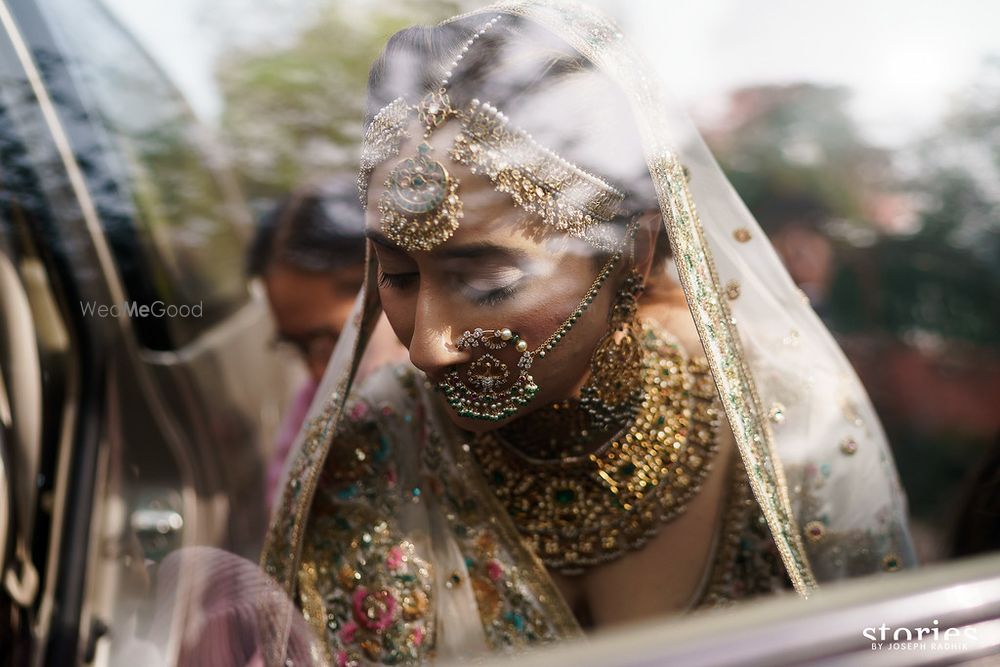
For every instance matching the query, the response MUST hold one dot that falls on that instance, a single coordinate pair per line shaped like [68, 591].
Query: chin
[474, 425]
[478, 425]
[482, 425]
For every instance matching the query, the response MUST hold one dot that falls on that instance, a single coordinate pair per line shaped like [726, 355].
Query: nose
[432, 346]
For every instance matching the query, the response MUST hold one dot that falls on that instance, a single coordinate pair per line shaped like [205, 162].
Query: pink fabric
[233, 613]
[291, 424]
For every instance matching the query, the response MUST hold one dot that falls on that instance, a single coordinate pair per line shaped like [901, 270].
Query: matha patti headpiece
[421, 208]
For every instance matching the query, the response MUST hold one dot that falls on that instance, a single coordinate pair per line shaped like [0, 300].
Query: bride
[619, 406]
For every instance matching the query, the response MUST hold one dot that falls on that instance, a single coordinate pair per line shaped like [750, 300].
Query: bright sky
[904, 59]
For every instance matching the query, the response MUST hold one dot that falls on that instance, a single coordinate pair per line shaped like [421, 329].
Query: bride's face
[501, 268]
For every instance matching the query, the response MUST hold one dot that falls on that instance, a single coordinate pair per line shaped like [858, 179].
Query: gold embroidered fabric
[564, 197]
[367, 582]
[369, 585]
[362, 586]
[746, 563]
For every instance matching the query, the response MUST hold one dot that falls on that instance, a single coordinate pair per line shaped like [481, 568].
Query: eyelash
[488, 299]
[496, 296]
[396, 280]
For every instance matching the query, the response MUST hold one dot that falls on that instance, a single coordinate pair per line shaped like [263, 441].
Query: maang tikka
[420, 207]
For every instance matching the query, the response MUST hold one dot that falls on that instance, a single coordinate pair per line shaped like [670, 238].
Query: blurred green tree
[798, 160]
[293, 112]
[944, 279]
[913, 256]
[795, 155]
[914, 281]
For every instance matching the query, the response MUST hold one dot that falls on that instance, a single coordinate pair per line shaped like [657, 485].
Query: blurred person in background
[309, 253]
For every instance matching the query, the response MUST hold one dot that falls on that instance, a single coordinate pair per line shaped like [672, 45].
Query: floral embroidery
[517, 608]
[361, 585]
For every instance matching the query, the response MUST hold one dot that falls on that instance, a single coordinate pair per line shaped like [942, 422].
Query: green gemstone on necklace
[565, 496]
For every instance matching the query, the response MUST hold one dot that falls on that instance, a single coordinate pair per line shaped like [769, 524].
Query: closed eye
[490, 287]
[482, 291]
[397, 280]
[496, 296]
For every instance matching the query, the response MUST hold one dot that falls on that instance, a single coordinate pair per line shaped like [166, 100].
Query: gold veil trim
[282, 551]
[600, 41]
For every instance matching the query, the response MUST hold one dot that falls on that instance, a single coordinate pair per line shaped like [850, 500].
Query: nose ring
[485, 391]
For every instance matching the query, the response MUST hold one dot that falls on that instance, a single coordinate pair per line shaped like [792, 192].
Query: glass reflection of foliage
[170, 186]
[293, 112]
[945, 278]
[181, 209]
[914, 281]
[20, 194]
[33, 185]
[795, 155]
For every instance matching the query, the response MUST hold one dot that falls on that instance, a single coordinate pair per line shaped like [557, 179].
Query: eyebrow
[475, 250]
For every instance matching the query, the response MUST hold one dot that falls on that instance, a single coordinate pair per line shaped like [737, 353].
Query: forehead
[488, 215]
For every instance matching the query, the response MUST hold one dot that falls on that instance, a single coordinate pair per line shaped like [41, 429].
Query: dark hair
[523, 69]
[317, 228]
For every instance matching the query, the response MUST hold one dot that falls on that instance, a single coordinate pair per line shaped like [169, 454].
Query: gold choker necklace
[578, 509]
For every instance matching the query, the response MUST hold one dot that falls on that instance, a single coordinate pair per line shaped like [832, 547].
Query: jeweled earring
[613, 394]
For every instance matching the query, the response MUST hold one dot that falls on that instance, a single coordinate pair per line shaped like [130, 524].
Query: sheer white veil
[817, 459]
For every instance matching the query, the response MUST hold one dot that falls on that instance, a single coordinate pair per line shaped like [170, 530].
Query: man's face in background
[310, 309]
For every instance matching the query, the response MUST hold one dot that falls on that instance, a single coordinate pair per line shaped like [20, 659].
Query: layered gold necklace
[578, 505]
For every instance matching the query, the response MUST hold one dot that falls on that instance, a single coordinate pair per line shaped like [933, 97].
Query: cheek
[562, 371]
